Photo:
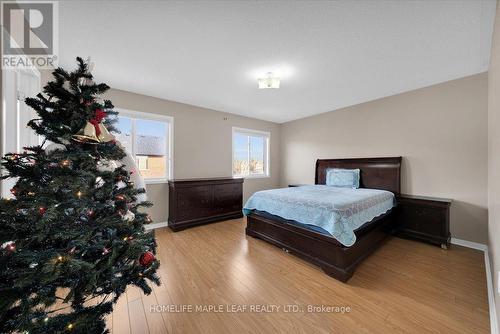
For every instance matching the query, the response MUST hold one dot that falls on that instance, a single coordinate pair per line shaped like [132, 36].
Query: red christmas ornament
[146, 259]
[42, 210]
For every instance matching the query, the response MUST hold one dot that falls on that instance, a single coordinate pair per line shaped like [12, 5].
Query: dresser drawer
[228, 198]
[194, 202]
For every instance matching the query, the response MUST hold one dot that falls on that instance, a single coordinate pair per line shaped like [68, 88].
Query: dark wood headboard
[376, 173]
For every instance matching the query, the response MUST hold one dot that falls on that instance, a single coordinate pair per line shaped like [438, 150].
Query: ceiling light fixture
[270, 81]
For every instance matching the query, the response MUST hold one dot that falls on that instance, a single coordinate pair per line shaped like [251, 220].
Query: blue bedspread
[339, 211]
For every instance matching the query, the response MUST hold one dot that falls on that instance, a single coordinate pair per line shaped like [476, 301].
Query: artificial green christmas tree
[72, 237]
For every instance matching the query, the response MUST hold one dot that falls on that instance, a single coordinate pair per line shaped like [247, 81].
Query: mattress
[325, 209]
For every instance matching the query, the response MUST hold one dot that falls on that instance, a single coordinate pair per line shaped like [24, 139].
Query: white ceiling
[329, 54]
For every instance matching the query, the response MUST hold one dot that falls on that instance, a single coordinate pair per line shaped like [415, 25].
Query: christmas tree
[72, 236]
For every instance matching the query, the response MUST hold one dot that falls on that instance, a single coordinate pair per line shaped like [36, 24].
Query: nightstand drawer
[424, 218]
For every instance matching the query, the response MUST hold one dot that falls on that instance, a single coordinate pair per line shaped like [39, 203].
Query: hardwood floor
[404, 287]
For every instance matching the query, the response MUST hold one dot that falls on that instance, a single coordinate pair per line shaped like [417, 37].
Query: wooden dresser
[424, 218]
[195, 202]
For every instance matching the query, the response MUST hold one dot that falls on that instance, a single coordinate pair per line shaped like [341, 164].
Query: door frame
[11, 127]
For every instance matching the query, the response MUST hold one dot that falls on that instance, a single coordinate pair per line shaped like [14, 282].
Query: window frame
[141, 159]
[267, 149]
[142, 115]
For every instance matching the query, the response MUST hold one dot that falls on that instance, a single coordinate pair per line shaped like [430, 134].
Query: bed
[317, 245]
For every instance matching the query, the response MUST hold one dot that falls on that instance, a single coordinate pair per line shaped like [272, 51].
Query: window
[148, 137]
[250, 153]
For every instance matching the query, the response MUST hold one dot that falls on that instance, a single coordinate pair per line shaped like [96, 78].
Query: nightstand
[424, 218]
[298, 185]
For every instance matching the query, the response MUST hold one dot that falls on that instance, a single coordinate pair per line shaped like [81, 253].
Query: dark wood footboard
[324, 251]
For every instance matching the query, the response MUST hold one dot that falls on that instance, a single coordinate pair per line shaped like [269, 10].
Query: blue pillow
[344, 178]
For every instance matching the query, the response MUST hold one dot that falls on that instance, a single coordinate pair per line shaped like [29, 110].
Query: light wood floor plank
[154, 319]
[138, 322]
[121, 320]
[404, 287]
[109, 322]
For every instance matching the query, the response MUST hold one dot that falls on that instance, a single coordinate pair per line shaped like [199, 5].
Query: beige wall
[202, 144]
[441, 131]
[494, 156]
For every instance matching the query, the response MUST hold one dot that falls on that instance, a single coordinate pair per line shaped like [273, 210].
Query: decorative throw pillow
[344, 178]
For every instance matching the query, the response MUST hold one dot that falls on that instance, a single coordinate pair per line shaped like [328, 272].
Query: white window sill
[253, 176]
[155, 181]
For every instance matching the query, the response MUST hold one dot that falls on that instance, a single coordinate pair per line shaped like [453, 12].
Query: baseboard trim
[469, 244]
[489, 279]
[491, 296]
[155, 225]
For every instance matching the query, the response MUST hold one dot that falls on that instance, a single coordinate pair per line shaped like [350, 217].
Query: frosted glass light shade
[269, 82]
